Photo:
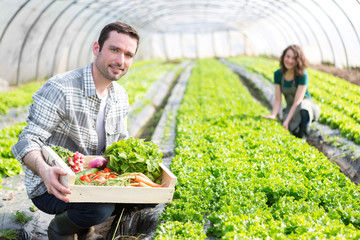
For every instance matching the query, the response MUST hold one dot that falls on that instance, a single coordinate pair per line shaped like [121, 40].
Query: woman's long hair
[301, 62]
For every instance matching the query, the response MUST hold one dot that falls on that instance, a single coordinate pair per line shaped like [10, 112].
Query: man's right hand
[35, 162]
[51, 175]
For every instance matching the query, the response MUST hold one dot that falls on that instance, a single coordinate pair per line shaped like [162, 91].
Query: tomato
[112, 176]
[100, 178]
[91, 175]
[107, 170]
[85, 178]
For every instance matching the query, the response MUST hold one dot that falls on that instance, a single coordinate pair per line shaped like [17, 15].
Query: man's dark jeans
[82, 214]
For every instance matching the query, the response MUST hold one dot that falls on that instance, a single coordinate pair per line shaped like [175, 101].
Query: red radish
[75, 162]
[99, 162]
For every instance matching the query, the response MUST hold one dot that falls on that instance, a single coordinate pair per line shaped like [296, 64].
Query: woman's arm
[299, 96]
[276, 104]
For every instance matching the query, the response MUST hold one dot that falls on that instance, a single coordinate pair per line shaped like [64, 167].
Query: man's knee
[91, 214]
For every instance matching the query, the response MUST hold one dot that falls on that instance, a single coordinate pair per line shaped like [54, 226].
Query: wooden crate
[113, 194]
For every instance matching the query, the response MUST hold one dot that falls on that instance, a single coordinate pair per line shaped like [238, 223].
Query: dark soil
[351, 75]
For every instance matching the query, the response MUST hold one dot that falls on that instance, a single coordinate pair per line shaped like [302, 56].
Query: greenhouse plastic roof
[39, 38]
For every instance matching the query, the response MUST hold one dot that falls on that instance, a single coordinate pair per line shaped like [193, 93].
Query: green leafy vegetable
[63, 153]
[73, 160]
[135, 155]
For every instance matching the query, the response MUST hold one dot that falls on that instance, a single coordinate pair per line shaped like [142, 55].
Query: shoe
[62, 228]
[303, 132]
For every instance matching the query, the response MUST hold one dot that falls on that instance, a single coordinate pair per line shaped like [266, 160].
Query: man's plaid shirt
[63, 113]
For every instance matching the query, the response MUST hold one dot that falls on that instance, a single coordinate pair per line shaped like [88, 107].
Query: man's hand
[51, 176]
[35, 162]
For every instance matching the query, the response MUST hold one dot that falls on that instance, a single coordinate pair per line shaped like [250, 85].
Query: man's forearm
[34, 160]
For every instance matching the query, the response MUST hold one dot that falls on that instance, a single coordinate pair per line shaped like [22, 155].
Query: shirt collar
[89, 85]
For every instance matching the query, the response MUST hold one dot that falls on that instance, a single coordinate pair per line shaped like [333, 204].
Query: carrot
[141, 184]
[143, 179]
[130, 185]
[143, 175]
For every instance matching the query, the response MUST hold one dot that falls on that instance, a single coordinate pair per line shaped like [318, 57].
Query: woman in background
[291, 80]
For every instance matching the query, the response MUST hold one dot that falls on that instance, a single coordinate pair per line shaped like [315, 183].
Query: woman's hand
[286, 124]
[276, 105]
[272, 117]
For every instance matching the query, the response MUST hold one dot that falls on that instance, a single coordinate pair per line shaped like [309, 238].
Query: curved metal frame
[47, 34]
[25, 40]
[311, 30]
[12, 19]
[78, 14]
[153, 17]
[350, 22]
[338, 32]
[322, 28]
[98, 21]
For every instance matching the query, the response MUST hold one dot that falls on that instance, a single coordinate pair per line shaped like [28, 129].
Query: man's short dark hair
[119, 27]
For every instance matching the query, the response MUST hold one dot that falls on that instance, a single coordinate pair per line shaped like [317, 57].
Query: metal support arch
[85, 22]
[78, 14]
[107, 20]
[25, 40]
[98, 23]
[352, 25]
[146, 24]
[12, 19]
[276, 24]
[338, 32]
[46, 37]
[312, 31]
[321, 27]
[297, 23]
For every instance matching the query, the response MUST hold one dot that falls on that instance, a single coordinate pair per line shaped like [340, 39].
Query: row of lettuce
[244, 177]
[239, 175]
[139, 79]
[142, 75]
[339, 99]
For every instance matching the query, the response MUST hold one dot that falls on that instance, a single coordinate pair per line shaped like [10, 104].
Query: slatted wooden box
[112, 194]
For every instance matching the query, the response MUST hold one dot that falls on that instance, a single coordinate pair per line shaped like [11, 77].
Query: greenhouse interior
[198, 119]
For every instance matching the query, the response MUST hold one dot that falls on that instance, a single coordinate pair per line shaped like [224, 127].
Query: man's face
[116, 55]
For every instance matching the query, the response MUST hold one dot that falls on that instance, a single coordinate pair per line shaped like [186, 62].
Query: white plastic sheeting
[39, 38]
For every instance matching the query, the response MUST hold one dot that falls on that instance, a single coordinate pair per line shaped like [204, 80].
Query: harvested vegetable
[108, 177]
[134, 155]
[105, 177]
[73, 160]
[99, 162]
[144, 181]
